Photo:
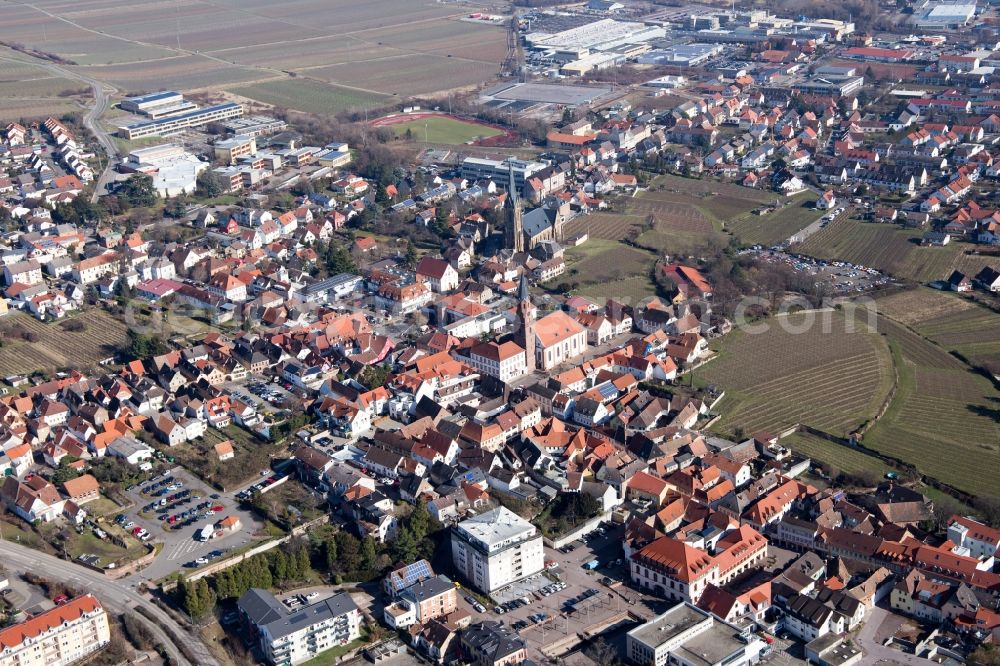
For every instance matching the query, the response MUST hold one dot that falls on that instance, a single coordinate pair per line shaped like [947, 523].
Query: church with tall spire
[525, 335]
[514, 209]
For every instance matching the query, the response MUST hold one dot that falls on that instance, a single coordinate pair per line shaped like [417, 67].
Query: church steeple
[526, 333]
[514, 228]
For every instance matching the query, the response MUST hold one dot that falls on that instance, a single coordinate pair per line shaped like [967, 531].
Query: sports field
[444, 130]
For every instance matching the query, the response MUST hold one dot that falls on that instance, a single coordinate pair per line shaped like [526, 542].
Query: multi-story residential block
[60, 636]
[493, 644]
[687, 636]
[293, 636]
[496, 548]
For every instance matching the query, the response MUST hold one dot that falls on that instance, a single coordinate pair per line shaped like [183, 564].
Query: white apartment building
[496, 548]
[25, 272]
[94, 268]
[504, 361]
[687, 636]
[289, 637]
[973, 539]
[60, 636]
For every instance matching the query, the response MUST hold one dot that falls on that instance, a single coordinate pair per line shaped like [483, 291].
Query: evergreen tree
[338, 259]
[330, 555]
[369, 554]
[349, 548]
[303, 559]
[279, 565]
[419, 520]
[411, 254]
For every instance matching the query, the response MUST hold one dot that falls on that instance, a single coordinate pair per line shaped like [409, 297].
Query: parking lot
[190, 505]
[588, 600]
[838, 276]
[261, 393]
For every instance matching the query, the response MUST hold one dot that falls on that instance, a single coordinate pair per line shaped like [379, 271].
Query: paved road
[102, 93]
[115, 595]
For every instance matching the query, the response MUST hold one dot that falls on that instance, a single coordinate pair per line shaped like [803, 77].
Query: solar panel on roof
[607, 390]
[415, 572]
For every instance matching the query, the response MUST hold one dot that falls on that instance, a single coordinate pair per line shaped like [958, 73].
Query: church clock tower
[526, 334]
[514, 228]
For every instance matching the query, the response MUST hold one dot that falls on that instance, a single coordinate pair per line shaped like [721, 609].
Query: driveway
[876, 653]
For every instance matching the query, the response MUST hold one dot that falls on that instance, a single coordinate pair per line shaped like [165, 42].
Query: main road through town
[116, 595]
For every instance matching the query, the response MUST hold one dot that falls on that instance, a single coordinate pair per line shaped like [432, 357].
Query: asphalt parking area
[180, 543]
[526, 587]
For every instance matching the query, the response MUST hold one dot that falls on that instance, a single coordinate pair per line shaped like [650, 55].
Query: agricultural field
[841, 458]
[625, 290]
[607, 226]
[604, 268]
[956, 323]
[943, 418]
[409, 74]
[13, 109]
[892, 250]
[307, 96]
[450, 38]
[443, 130]
[707, 187]
[42, 87]
[53, 346]
[678, 214]
[833, 381]
[186, 73]
[777, 226]
[391, 47]
[28, 90]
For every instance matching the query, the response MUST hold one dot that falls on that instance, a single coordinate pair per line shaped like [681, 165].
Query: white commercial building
[687, 636]
[478, 168]
[179, 121]
[496, 548]
[173, 169]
